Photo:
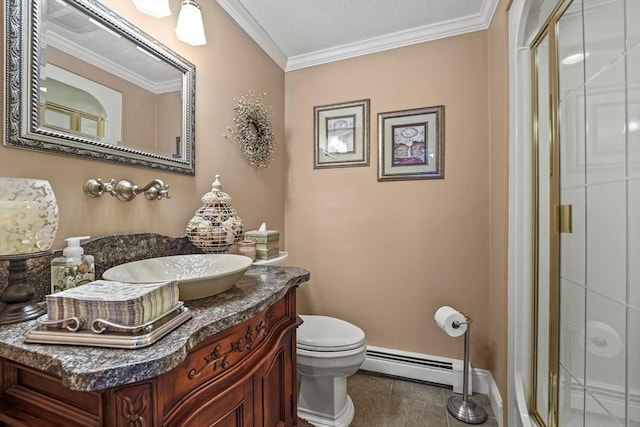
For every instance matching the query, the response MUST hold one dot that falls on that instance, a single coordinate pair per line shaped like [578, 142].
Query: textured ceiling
[299, 33]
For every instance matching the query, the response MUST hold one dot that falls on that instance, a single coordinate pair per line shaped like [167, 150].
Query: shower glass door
[572, 196]
[586, 158]
[598, 104]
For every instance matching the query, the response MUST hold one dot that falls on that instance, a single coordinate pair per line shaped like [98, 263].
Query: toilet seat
[328, 334]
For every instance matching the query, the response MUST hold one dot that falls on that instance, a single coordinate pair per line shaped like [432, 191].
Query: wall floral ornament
[253, 129]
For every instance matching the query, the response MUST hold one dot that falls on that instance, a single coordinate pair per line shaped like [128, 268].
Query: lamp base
[466, 411]
[16, 313]
[17, 296]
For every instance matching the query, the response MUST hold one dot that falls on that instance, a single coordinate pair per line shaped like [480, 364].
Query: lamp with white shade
[190, 28]
[28, 225]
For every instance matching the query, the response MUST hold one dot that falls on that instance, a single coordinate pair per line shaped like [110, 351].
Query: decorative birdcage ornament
[216, 225]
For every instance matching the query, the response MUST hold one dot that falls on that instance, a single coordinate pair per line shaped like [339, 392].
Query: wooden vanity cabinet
[244, 376]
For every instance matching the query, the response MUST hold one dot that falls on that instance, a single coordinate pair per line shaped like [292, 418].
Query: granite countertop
[94, 368]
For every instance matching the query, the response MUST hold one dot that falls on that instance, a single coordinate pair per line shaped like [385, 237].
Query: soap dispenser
[73, 268]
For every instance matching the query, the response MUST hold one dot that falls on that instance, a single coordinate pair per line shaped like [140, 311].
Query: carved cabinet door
[232, 408]
[273, 388]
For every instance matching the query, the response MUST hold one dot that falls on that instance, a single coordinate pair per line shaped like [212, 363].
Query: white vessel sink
[198, 275]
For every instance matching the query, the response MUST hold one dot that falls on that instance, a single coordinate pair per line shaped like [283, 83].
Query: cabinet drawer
[228, 352]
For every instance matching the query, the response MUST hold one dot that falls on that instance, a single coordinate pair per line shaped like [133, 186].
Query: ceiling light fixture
[155, 8]
[190, 28]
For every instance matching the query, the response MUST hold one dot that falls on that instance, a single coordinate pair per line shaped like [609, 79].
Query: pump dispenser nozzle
[73, 248]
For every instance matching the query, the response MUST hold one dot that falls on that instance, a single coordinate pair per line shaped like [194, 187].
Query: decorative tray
[272, 261]
[104, 333]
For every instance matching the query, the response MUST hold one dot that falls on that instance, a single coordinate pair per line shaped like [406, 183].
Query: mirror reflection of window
[90, 126]
[59, 117]
[96, 109]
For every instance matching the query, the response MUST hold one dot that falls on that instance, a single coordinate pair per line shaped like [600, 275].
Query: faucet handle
[157, 192]
[108, 186]
[97, 187]
[164, 193]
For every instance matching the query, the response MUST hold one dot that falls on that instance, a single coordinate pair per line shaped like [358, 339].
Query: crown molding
[455, 27]
[247, 22]
[118, 70]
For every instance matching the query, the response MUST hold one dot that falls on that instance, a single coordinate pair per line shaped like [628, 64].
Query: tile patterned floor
[389, 402]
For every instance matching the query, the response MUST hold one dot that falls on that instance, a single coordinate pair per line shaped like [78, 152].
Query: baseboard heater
[414, 366]
[410, 360]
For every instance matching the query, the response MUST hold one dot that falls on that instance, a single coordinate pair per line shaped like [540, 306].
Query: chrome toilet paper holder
[464, 408]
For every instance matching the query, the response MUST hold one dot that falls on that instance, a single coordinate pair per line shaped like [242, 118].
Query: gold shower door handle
[564, 219]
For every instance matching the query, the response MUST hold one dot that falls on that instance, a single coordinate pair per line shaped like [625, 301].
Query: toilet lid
[322, 333]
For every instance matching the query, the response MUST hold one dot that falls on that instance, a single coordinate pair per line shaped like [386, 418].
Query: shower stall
[574, 261]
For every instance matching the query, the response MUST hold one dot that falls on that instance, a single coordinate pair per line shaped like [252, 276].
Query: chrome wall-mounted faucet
[126, 190]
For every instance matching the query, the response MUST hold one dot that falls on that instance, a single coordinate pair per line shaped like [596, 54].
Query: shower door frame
[548, 31]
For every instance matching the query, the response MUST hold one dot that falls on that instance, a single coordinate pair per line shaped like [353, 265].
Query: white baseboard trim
[433, 369]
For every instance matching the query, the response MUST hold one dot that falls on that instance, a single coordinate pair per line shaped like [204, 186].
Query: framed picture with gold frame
[411, 144]
[341, 134]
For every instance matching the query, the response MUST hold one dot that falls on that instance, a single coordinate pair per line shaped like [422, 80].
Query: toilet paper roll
[446, 316]
[602, 339]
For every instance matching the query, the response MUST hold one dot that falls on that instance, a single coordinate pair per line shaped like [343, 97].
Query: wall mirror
[83, 81]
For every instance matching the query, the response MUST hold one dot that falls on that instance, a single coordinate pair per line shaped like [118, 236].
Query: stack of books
[121, 303]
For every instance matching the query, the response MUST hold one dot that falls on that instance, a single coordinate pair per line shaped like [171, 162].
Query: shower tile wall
[600, 178]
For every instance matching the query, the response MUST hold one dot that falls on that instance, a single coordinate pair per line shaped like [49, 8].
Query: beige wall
[386, 255]
[228, 66]
[498, 197]
[169, 126]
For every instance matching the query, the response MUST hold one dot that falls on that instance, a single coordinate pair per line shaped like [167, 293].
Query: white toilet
[329, 350]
